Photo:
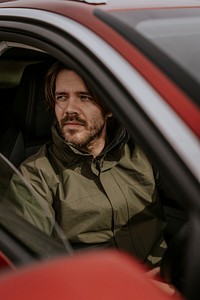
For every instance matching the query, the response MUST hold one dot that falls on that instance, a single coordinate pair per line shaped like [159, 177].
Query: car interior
[25, 122]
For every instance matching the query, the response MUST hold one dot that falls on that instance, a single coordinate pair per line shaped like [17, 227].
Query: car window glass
[165, 33]
[165, 37]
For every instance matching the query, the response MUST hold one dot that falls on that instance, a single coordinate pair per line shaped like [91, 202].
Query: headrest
[29, 109]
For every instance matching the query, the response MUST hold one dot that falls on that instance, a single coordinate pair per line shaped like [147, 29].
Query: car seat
[30, 124]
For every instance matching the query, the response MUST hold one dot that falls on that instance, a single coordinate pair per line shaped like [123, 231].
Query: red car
[142, 58]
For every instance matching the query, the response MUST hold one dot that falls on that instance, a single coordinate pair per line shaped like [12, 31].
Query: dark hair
[50, 85]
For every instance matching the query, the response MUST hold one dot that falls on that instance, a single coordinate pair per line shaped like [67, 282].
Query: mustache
[72, 118]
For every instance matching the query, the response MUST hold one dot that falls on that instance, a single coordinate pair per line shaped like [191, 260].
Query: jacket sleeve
[155, 256]
[168, 199]
[30, 196]
[157, 252]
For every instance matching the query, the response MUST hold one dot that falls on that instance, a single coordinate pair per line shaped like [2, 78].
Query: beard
[84, 138]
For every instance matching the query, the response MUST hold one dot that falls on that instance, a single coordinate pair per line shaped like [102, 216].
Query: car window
[165, 36]
[172, 208]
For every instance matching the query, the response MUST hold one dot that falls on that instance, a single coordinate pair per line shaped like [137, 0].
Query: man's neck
[96, 147]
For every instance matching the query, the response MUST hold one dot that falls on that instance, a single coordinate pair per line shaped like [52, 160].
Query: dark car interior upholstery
[29, 123]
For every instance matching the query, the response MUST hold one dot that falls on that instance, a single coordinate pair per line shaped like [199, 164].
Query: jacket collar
[118, 136]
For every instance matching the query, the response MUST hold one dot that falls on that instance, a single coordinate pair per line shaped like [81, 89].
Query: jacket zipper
[99, 163]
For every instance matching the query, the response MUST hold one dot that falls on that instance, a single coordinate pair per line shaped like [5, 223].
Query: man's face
[81, 120]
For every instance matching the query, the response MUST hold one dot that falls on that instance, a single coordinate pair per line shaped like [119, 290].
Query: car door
[112, 77]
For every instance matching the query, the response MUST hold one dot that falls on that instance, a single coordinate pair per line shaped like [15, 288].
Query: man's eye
[61, 98]
[86, 98]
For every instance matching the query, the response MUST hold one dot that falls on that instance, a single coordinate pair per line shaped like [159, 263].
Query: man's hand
[154, 275]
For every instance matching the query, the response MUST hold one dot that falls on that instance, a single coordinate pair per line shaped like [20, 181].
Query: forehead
[69, 79]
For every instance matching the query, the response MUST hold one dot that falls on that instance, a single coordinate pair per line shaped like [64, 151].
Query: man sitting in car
[93, 179]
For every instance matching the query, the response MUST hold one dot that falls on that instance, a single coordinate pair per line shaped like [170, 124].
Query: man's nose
[72, 105]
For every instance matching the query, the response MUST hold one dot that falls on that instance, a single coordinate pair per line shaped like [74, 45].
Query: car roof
[107, 4]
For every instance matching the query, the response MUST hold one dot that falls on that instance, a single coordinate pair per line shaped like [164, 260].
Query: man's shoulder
[38, 159]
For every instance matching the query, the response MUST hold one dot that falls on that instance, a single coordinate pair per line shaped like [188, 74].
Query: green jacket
[108, 201]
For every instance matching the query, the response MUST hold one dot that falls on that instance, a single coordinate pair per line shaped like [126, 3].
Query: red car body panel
[105, 275]
[5, 263]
